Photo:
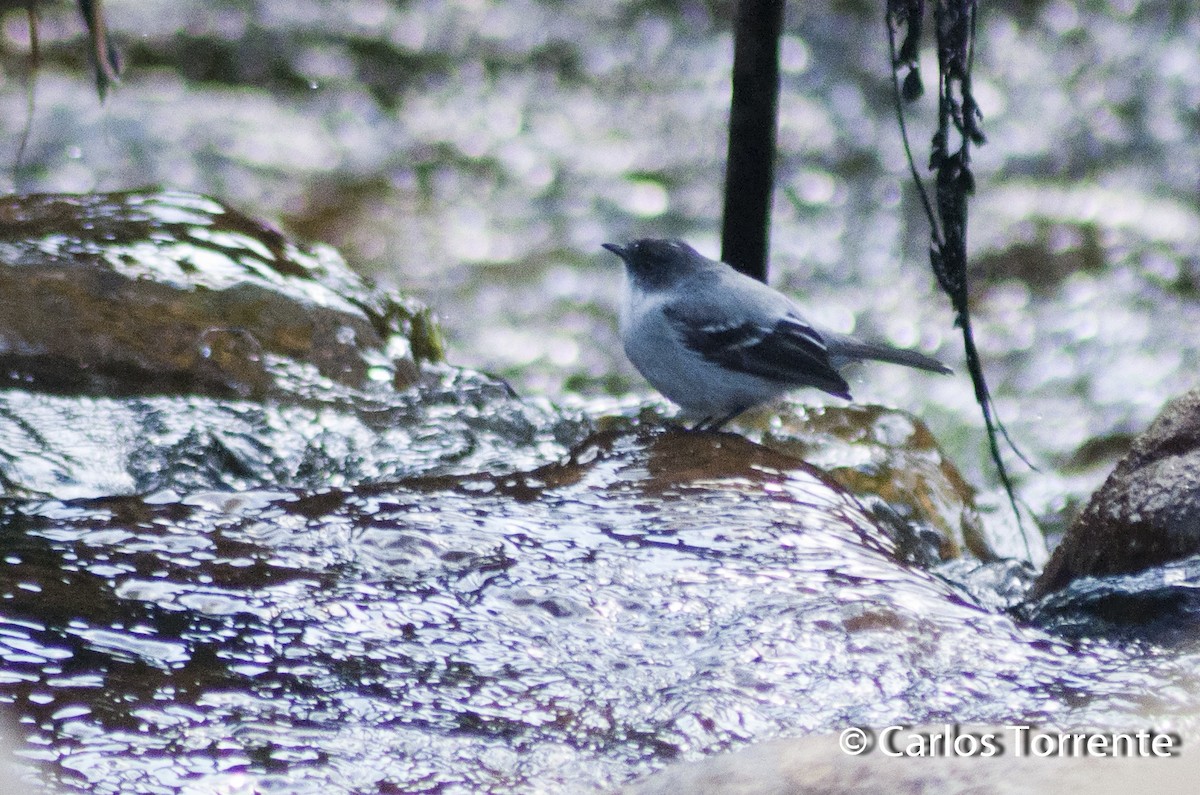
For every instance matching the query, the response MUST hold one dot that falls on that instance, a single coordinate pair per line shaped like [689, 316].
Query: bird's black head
[654, 263]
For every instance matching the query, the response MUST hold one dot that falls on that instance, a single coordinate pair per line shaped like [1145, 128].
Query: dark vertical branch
[750, 165]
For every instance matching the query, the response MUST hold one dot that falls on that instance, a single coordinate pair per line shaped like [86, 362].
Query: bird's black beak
[620, 251]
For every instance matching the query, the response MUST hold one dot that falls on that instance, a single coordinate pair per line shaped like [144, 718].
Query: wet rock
[452, 421]
[161, 341]
[310, 537]
[172, 293]
[1159, 606]
[657, 592]
[893, 464]
[1147, 512]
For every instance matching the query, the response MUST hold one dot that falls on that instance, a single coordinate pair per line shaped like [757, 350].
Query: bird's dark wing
[790, 352]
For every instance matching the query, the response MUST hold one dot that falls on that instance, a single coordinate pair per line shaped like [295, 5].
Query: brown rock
[1148, 510]
[150, 292]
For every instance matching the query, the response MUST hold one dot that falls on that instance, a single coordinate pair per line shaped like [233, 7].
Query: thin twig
[30, 90]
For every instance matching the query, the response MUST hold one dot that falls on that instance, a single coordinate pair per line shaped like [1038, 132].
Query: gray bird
[718, 342]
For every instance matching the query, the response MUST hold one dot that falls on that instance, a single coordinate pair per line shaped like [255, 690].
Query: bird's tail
[849, 349]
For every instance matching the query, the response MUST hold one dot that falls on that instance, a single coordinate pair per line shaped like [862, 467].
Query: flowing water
[367, 620]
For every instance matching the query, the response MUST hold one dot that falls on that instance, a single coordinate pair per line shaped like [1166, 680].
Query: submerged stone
[1157, 606]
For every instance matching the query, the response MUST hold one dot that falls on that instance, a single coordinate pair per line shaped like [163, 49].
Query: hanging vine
[958, 129]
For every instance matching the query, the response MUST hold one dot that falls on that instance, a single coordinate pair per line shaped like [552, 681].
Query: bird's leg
[703, 425]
